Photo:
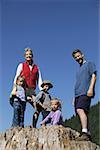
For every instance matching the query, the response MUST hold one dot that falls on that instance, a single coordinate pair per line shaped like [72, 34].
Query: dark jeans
[18, 116]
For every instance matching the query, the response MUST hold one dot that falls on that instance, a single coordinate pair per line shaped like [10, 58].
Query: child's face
[54, 105]
[20, 81]
[28, 55]
[46, 87]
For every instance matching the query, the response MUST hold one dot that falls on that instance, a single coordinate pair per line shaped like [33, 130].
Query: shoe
[84, 137]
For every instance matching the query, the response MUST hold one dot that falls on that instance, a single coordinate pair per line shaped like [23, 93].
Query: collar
[30, 64]
[84, 61]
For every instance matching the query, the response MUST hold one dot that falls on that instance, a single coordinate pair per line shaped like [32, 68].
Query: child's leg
[16, 107]
[44, 115]
[35, 118]
[22, 112]
[36, 115]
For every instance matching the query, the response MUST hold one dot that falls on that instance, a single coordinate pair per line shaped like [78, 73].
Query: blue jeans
[18, 116]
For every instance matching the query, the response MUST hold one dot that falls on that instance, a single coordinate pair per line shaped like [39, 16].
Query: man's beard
[80, 61]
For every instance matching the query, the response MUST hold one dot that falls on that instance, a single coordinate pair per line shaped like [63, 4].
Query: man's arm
[92, 84]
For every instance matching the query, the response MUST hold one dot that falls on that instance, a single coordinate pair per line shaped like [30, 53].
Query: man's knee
[80, 111]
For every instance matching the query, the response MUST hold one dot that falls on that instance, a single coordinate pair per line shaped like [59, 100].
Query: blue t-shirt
[83, 78]
[21, 93]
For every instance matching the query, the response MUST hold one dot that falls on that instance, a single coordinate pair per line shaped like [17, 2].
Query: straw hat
[46, 82]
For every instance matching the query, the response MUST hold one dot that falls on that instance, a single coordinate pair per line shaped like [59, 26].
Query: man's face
[79, 57]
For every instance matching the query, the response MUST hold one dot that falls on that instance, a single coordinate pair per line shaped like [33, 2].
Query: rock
[49, 138]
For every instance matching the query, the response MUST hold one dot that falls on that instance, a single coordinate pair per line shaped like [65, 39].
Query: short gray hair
[28, 49]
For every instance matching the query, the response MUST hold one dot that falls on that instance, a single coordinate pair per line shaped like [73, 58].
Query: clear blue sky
[53, 29]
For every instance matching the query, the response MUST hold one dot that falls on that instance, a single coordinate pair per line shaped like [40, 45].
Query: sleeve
[13, 92]
[46, 119]
[38, 97]
[92, 68]
[19, 69]
[57, 117]
[40, 80]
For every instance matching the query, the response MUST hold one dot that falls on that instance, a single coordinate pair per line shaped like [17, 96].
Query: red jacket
[31, 77]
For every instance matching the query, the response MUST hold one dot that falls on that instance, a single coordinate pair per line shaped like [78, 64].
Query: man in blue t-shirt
[84, 91]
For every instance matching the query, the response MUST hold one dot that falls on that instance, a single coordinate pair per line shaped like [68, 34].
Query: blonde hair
[23, 79]
[56, 100]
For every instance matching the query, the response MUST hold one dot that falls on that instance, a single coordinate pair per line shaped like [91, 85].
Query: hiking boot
[84, 137]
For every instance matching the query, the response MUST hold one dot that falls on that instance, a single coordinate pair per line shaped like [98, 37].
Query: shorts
[30, 92]
[82, 102]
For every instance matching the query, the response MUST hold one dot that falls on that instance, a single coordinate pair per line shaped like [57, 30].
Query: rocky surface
[50, 138]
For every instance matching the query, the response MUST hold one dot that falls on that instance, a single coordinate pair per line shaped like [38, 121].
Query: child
[19, 103]
[55, 116]
[42, 102]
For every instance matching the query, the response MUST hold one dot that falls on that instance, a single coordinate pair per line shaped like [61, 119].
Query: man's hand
[91, 87]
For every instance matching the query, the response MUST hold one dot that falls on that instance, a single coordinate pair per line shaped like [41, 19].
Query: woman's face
[28, 55]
